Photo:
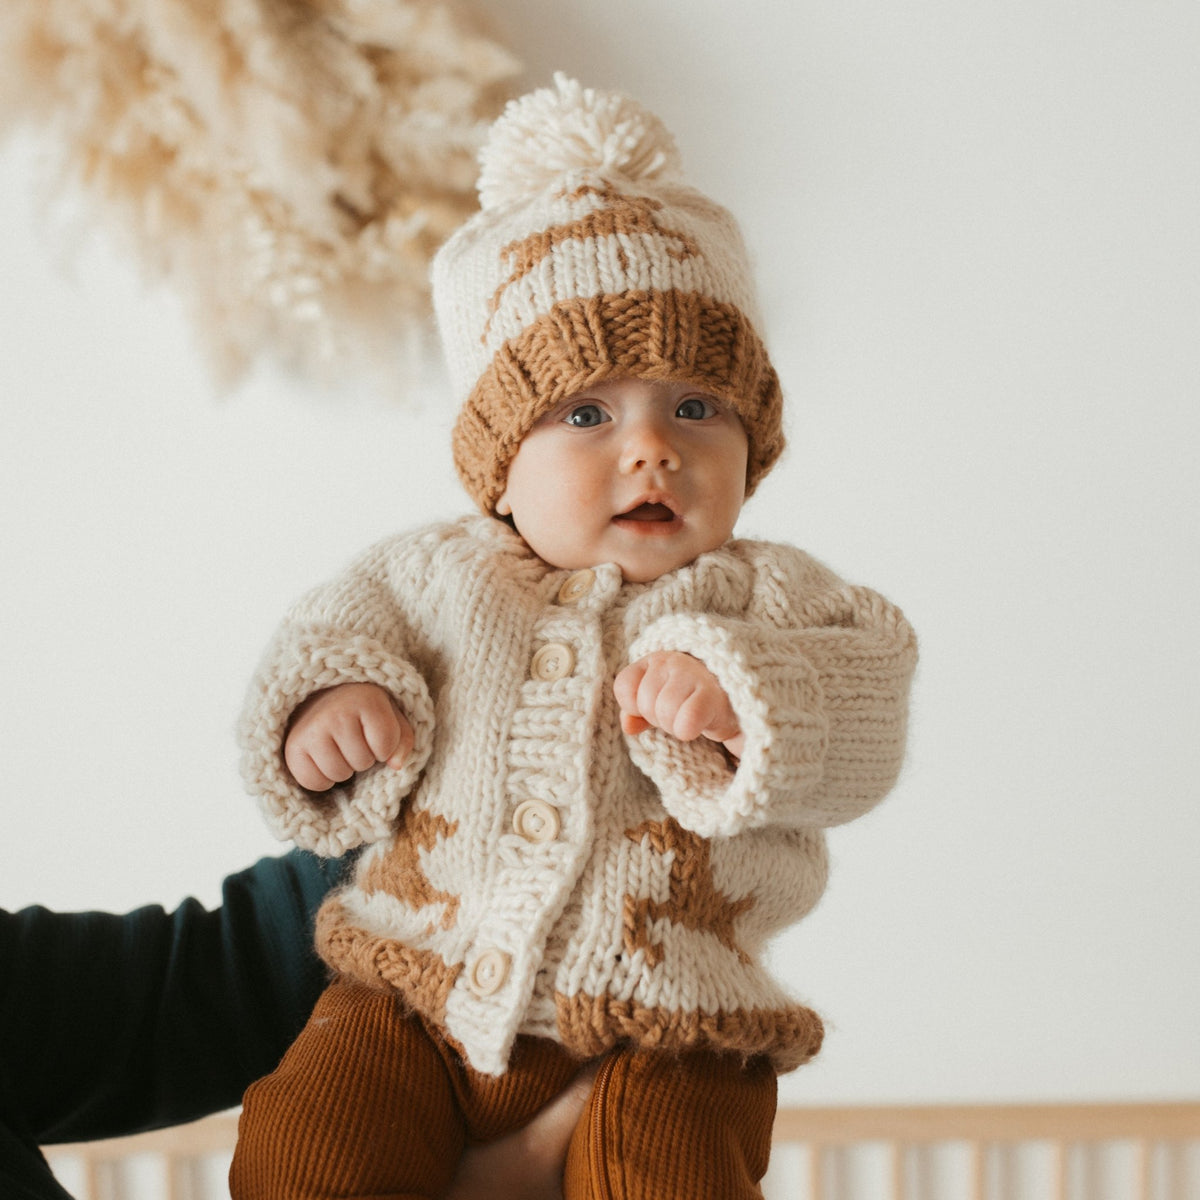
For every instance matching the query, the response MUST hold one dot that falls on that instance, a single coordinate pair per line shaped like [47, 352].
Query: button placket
[540, 857]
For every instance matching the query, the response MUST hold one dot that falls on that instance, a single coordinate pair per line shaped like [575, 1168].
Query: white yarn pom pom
[553, 131]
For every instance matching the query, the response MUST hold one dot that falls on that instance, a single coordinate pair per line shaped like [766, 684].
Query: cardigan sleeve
[356, 629]
[818, 673]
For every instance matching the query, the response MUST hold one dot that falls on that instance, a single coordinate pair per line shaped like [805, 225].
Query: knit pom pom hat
[591, 259]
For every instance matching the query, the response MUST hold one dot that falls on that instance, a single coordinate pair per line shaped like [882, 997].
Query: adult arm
[115, 1024]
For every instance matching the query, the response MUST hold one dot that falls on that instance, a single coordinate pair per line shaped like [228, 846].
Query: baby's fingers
[693, 714]
[625, 688]
[668, 697]
[387, 733]
[633, 724]
[317, 764]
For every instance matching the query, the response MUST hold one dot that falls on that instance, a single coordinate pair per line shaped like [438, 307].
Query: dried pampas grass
[290, 165]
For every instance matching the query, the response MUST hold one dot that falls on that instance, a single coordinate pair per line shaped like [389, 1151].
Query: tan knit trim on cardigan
[424, 979]
[590, 1025]
[645, 335]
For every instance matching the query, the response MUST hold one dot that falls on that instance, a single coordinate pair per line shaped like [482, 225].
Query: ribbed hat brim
[644, 335]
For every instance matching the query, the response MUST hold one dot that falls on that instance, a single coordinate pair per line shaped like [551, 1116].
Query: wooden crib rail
[980, 1126]
[176, 1150]
[902, 1129]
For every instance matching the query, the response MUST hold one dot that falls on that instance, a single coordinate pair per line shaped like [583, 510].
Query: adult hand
[527, 1164]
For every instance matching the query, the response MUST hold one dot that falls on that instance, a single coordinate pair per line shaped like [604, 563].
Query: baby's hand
[678, 694]
[342, 730]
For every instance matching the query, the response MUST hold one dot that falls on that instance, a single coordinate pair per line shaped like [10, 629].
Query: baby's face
[645, 474]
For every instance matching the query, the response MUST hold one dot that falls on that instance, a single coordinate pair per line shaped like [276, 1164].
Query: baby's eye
[586, 416]
[696, 408]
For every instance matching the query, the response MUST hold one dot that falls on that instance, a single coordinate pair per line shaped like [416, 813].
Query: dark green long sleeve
[115, 1024]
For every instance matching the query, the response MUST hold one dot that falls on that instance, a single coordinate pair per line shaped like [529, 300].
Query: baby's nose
[649, 448]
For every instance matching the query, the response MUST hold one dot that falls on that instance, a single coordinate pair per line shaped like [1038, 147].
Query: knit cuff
[364, 809]
[779, 705]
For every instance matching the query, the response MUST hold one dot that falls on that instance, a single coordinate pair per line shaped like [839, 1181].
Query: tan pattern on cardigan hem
[421, 977]
[588, 1026]
[591, 1025]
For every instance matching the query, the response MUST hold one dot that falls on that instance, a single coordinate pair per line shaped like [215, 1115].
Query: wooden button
[488, 972]
[553, 661]
[537, 821]
[576, 586]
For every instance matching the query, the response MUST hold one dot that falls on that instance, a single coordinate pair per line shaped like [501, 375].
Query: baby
[589, 740]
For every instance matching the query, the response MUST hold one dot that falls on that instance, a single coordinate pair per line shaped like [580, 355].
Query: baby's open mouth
[648, 512]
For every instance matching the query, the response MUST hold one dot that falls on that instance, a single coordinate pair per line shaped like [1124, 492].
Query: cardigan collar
[720, 580]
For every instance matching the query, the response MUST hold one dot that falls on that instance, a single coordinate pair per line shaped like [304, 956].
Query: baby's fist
[342, 730]
[674, 692]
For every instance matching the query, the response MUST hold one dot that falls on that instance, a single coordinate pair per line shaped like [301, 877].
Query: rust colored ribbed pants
[369, 1103]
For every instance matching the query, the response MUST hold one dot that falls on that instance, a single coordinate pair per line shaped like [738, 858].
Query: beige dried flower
[289, 165]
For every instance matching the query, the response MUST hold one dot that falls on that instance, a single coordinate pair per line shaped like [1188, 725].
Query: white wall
[977, 233]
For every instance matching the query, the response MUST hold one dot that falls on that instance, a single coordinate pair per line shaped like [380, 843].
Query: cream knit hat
[591, 259]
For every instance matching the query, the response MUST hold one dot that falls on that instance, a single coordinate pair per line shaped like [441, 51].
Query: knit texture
[536, 871]
[592, 259]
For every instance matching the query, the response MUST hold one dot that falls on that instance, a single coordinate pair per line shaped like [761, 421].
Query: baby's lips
[649, 511]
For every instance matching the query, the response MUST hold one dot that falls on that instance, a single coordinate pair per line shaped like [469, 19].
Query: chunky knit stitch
[534, 870]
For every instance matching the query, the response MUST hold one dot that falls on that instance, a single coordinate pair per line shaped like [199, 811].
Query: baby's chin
[641, 558]
[635, 569]
[647, 567]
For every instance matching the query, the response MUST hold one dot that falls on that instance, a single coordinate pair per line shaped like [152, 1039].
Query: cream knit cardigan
[534, 870]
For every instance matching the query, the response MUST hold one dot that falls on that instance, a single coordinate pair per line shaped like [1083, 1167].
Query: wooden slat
[92, 1180]
[175, 1168]
[978, 1171]
[816, 1172]
[898, 1153]
[1061, 1181]
[1145, 1162]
